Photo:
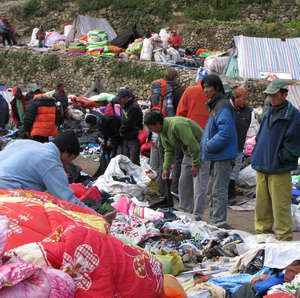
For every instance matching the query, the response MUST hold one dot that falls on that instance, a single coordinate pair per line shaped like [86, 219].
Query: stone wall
[77, 73]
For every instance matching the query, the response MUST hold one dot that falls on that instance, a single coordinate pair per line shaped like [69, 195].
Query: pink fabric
[249, 146]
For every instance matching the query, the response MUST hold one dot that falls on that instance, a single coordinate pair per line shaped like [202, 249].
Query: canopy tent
[83, 24]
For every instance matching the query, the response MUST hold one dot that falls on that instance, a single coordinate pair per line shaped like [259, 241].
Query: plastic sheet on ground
[121, 167]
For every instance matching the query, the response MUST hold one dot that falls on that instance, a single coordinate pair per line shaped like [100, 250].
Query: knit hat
[67, 142]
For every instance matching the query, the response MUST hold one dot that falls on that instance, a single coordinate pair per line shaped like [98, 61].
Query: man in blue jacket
[274, 157]
[220, 147]
[27, 164]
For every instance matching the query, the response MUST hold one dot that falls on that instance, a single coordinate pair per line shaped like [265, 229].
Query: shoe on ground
[224, 226]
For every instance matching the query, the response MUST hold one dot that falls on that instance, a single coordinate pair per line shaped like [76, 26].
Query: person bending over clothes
[183, 133]
[27, 164]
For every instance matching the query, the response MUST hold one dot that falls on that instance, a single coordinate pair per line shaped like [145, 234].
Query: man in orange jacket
[192, 105]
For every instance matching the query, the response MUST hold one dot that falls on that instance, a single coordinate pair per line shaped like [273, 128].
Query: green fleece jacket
[183, 133]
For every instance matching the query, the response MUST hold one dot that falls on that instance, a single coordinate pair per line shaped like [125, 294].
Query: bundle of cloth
[53, 248]
[96, 42]
[76, 48]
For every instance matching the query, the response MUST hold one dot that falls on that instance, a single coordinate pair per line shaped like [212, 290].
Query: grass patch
[32, 8]
[50, 62]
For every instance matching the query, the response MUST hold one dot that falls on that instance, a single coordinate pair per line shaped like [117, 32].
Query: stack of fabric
[76, 49]
[97, 41]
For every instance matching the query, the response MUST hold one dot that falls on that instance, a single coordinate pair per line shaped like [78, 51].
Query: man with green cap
[275, 155]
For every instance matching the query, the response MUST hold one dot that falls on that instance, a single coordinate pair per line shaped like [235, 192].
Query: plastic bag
[121, 167]
[146, 54]
[171, 263]
[296, 217]
[247, 177]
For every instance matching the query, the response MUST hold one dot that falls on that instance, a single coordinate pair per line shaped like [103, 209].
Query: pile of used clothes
[207, 261]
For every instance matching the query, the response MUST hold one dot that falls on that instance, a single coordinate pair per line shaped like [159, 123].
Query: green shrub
[54, 4]
[50, 62]
[204, 11]
[32, 8]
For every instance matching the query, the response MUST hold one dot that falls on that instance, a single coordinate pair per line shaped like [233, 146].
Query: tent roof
[268, 55]
[83, 24]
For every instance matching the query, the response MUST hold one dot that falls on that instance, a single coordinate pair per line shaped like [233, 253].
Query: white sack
[247, 176]
[115, 167]
[146, 53]
[34, 41]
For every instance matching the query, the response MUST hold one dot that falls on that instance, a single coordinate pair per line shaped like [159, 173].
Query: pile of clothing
[76, 48]
[97, 41]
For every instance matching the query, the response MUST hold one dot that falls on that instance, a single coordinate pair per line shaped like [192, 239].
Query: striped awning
[258, 56]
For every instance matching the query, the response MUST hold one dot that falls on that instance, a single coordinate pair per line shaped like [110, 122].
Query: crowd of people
[197, 136]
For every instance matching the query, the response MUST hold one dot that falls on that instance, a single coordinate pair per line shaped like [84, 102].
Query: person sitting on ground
[11, 31]
[243, 116]
[41, 37]
[5, 34]
[275, 155]
[27, 164]
[219, 147]
[131, 124]
[183, 133]
[42, 118]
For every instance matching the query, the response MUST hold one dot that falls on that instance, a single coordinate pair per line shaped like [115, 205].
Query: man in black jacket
[242, 115]
[132, 123]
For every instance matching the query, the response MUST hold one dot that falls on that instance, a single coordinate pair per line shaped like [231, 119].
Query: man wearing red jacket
[192, 105]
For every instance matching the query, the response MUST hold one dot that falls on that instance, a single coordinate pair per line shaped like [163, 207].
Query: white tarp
[83, 24]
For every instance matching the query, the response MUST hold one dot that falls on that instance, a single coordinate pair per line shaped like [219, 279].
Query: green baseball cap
[275, 86]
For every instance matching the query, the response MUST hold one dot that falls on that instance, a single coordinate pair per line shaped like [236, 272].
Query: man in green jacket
[185, 134]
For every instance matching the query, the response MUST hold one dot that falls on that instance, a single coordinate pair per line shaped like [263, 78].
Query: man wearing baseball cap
[132, 123]
[275, 155]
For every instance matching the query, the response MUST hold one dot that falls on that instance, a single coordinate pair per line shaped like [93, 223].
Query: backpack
[161, 105]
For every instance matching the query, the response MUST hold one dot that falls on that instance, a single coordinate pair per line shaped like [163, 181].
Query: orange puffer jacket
[42, 117]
